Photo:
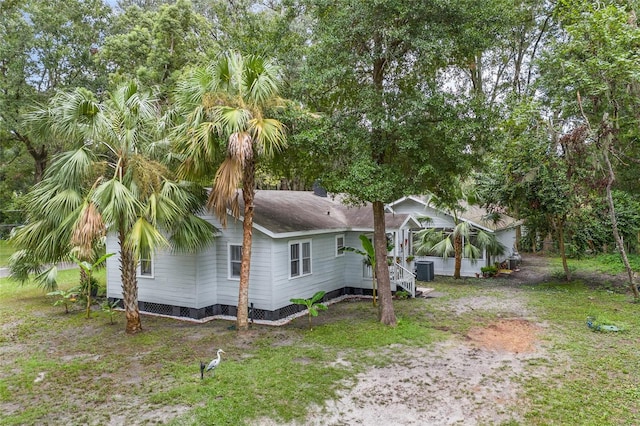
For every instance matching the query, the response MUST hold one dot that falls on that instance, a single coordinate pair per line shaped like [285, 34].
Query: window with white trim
[235, 260]
[339, 245]
[299, 258]
[145, 266]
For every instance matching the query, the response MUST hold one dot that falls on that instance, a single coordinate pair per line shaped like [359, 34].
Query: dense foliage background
[522, 99]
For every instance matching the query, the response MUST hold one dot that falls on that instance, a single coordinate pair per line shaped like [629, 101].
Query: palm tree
[110, 183]
[463, 240]
[225, 105]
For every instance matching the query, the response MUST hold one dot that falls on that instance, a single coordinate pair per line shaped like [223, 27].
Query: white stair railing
[403, 277]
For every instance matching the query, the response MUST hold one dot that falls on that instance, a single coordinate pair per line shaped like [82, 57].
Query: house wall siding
[114, 285]
[508, 238]
[206, 273]
[172, 283]
[354, 272]
[446, 267]
[259, 273]
[202, 279]
[327, 270]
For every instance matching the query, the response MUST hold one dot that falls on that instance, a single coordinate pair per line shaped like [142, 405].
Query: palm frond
[162, 211]
[434, 241]
[48, 279]
[232, 119]
[491, 243]
[462, 229]
[189, 196]
[62, 204]
[72, 169]
[118, 205]
[260, 78]
[22, 264]
[425, 220]
[69, 116]
[190, 90]
[200, 148]
[144, 238]
[88, 229]
[192, 234]
[443, 248]
[471, 252]
[225, 190]
[269, 135]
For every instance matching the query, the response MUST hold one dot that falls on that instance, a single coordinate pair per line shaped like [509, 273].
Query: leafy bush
[402, 294]
[489, 271]
[65, 297]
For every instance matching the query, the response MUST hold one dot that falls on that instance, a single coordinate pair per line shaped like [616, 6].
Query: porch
[398, 275]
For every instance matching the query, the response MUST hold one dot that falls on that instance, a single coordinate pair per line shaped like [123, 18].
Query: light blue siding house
[418, 206]
[298, 238]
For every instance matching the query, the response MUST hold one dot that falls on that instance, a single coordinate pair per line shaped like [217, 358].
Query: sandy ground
[474, 380]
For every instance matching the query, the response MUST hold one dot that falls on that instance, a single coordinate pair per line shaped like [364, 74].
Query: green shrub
[489, 271]
[402, 294]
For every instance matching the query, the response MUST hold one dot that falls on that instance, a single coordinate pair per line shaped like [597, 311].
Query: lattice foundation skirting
[227, 310]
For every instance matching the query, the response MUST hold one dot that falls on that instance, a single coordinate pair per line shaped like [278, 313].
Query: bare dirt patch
[455, 382]
[511, 335]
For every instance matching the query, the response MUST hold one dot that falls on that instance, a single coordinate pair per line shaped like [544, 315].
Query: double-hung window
[145, 267]
[235, 260]
[339, 245]
[299, 258]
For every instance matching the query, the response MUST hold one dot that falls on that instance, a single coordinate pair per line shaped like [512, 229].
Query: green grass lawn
[95, 371]
[5, 252]
[603, 263]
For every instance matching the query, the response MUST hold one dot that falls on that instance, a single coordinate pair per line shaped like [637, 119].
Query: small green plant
[410, 258]
[65, 297]
[402, 294]
[313, 304]
[489, 271]
[110, 309]
[88, 269]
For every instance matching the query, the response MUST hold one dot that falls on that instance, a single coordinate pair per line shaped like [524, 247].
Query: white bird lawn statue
[212, 365]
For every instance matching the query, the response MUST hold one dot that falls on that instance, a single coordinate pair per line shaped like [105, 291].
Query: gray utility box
[424, 270]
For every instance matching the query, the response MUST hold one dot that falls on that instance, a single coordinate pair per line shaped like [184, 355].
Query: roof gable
[474, 214]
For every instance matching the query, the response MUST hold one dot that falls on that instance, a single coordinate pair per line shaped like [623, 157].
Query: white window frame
[140, 274]
[339, 248]
[300, 260]
[230, 261]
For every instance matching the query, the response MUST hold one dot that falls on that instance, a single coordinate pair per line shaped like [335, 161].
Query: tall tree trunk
[40, 156]
[561, 247]
[614, 225]
[129, 286]
[248, 193]
[457, 248]
[387, 314]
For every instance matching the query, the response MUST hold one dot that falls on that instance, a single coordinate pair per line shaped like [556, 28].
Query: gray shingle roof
[302, 211]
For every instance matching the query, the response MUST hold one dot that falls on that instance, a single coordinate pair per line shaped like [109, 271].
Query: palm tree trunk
[387, 314]
[129, 286]
[457, 248]
[248, 193]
